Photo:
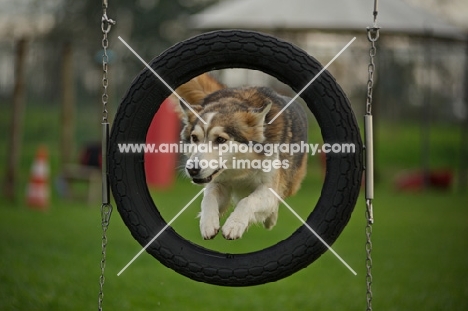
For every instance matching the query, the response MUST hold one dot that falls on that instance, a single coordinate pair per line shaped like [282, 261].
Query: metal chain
[106, 25]
[106, 207]
[106, 211]
[369, 280]
[372, 36]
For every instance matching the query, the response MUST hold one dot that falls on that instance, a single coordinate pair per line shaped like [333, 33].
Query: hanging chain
[106, 211]
[372, 36]
[106, 24]
[106, 207]
[369, 280]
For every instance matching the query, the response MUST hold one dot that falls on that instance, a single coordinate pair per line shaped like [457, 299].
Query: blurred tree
[154, 22]
[150, 25]
[16, 130]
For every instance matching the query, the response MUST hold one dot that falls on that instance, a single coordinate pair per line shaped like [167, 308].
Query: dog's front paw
[234, 228]
[209, 226]
[270, 221]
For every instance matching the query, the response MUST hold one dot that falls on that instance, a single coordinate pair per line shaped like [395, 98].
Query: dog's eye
[220, 140]
[194, 138]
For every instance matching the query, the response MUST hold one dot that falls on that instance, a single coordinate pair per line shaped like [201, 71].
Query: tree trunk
[463, 174]
[68, 105]
[17, 120]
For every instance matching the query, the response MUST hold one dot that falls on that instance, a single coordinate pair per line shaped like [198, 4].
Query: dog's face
[230, 120]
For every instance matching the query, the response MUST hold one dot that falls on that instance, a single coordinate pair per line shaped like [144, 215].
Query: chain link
[106, 211]
[106, 208]
[372, 35]
[369, 254]
[106, 25]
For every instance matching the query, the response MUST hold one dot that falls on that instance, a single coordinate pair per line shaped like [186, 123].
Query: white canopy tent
[395, 16]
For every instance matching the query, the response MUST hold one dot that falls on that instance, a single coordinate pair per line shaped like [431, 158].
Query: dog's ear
[198, 88]
[260, 114]
[193, 93]
[187, 112]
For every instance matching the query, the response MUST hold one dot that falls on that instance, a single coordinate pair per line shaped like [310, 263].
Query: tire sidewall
[325, 99]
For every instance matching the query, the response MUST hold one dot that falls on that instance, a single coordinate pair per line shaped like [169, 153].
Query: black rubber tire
[326, 100]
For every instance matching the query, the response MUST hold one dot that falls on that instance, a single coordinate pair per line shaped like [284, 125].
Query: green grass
[50, 260]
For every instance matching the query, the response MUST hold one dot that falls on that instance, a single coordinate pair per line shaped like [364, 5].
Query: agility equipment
[160, 167]
[38, 190]
[289, 64]
[125, 173]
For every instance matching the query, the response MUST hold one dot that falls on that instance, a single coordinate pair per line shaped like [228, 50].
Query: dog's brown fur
[240, 112]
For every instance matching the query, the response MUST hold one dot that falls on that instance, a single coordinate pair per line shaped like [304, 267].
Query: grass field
[50, 260]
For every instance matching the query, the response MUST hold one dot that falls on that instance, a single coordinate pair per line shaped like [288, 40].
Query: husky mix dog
[235, 166]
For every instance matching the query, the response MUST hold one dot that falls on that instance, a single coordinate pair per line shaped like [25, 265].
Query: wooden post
[68, 107]
[426, 110]
[17, 120]
[463, 174]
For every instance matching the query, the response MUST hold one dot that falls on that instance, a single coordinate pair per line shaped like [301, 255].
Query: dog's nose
[193, 171]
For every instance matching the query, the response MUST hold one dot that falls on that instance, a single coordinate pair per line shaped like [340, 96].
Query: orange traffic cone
[38, 188]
